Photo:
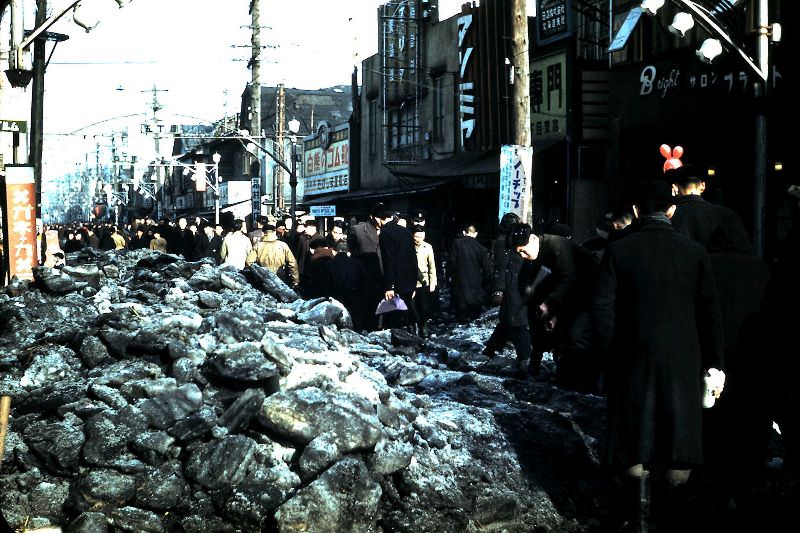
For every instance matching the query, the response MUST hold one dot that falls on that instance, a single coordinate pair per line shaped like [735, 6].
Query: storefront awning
[460, 165]
[404, 189]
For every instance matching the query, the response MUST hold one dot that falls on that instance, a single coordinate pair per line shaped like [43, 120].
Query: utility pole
[156, 107]
[37, 105]
[280, 139]
[521, 101]
[255, 85]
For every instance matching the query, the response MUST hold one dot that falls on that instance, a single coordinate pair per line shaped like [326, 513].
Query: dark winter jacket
[470, 270]
[399, 257]
[657, 319]
[700, 221]
[363, 241]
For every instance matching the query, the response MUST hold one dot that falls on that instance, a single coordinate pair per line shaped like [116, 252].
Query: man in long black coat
[658, 323]
[348, 283]
[400, 270]
[470, 271]
[699, 219]
[364, 248]
[741, 280]
[559, 308]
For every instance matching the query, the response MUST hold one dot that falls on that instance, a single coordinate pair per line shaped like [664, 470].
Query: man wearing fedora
[658, 325]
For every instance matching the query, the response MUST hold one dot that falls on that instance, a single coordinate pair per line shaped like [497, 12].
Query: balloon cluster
[673, 156]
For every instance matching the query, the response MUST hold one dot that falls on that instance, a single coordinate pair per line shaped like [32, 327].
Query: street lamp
[251, 146]
[217, 158]
[759, 63]
[200, 177]
[117, 198]
[294, 127]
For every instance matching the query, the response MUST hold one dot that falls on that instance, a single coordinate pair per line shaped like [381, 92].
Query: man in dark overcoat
[470, 271]
[559, 309]
[516, 281]
[699, 219]
[741, 278]
[400, 270]
[657, 320]
[363, 242]
[348, 283]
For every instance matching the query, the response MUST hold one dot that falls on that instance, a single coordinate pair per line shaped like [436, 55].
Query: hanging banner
[516, 177]
[255, 198]
[20, 221]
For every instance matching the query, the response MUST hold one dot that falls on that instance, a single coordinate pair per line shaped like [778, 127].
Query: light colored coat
[273, 254]
[235, 248]
[426, 265]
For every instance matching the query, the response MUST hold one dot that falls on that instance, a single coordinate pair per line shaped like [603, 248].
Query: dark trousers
[467, 312]
[519, 336]
[423, 304]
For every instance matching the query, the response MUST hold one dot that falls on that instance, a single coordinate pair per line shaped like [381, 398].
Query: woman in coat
[426, 281]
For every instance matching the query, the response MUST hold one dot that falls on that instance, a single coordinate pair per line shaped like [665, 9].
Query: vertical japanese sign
[466, 83]
[549, 97]
[255, 198]
[516, 174]
[21, 221]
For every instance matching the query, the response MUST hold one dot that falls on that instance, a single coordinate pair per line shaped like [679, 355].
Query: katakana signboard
[516, 172]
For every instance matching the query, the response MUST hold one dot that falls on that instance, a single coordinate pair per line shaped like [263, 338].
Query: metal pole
[293, 180]
[37, 106]
[760, 155]
[216, 195]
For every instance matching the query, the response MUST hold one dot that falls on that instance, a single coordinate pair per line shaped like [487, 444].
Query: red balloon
[673, 157]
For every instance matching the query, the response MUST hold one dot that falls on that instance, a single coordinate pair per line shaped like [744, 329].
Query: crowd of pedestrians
[668, 292]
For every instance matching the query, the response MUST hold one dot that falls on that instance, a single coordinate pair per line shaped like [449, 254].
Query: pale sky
[195, 52]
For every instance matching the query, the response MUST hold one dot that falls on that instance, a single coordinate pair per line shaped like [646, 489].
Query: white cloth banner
[516, 176]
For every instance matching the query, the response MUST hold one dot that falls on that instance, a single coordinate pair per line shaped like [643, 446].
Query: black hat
[656, 194]
[418, 215]
[520, 234]
[269, 226]
[379, 211]
[684, 175]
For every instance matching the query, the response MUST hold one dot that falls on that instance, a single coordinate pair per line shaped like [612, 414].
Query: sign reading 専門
[21, 221]
[549, 97]
[326, 160]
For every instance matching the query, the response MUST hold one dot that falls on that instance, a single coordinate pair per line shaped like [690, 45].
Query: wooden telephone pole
[280, 140]
[521, 100]
[255, 63]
